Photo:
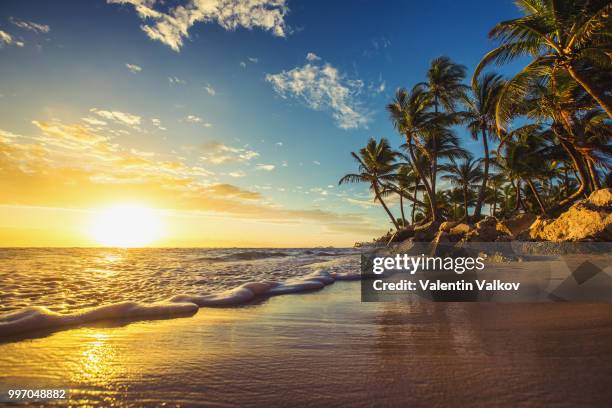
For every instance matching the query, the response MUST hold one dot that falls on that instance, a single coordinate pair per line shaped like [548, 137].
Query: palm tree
[445, 87]
[464, 175]
[377, 167]
[571, 36]
[480, 118]
[410, 114]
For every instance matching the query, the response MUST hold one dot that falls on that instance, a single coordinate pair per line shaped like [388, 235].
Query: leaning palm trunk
[416, 190]
[381, 201]
[536, 195]
[419, 171]
[465, 204]
[600, 98]
[485, 176]
[577, 163]
[402, 210]
[517, 187]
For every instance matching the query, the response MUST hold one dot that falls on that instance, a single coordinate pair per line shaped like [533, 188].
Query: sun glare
[126, 226]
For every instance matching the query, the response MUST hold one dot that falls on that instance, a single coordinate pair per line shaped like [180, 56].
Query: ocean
[48, 287]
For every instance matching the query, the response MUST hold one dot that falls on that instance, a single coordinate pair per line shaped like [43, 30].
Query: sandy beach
[327, 348]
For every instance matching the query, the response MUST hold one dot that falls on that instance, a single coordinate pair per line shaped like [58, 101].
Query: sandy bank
[328, 349]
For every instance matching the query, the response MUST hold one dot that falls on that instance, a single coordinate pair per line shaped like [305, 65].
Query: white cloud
[211, 91]
[243, 64]
[197, 119]
[172, 26]
[134, 68]
[311, 56]
[316, 162]
[323, 88]
[238, 173]
[219, 153]
[279, 144]
[8, 39]
[284, 163]
[93, 121]
[157, 123]
[123, 118]
[176, 81]
[253, 60]
[29, 25]
[265, 167]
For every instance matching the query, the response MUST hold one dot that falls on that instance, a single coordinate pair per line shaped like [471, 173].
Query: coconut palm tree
[571, 36]
[464, 175]
[445, 87]
[411, 116]
[376, 167]
[480, 119]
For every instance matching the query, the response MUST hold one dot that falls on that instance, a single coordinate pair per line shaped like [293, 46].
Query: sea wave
[35, 318]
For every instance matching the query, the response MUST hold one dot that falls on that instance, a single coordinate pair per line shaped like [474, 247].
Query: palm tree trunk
[593, 174]
[417, 168]
[583, 179]
[402, 210]
[518, 194]
[380, 200]
[465, 203]
[536, 195]
[416, 191]
[434, 164]
[600, 98]
[485, 177]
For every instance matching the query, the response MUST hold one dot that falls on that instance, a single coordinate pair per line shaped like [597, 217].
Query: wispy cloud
[219, 153]
[29, 25]
[123, 118]
[237, 174]
[311, 56]
[176, 81]
[197, 119]
[253, 60]
[324, 88]
[157, 123]
[7, 39]
[172, 25]
[242, 64]
[265, 167]
[133, 68]
[211, 91]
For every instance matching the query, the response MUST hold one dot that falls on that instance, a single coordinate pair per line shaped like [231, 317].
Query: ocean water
[48, 287]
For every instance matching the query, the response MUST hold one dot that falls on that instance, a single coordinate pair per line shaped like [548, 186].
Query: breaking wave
[35, 318]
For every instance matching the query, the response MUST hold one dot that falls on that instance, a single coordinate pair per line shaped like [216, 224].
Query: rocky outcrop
[587, 220]
[487, 230]
[517, 225]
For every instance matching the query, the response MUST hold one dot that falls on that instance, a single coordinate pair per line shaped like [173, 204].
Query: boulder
[587, 220]
[516, 225]
[446, 226]
[460, 229]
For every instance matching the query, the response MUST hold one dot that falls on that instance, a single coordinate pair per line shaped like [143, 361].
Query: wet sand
[326, 348]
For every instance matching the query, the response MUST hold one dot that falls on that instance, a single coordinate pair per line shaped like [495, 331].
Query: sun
[126, 226]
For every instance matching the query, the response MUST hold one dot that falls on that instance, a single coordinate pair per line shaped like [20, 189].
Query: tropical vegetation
[545, 133]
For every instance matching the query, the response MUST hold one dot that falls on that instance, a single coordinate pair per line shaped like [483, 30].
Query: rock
[601, 198]
[403, 234]
[441, 237]
[426, 233]
[447, 225]
[460, 229]
[516, 225]
[587, 220]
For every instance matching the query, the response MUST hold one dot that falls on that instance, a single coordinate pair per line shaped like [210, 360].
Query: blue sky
[236, 96]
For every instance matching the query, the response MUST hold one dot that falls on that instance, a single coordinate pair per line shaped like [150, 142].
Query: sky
[232, 120]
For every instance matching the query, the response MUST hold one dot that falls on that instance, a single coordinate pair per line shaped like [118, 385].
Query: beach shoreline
[328, 348]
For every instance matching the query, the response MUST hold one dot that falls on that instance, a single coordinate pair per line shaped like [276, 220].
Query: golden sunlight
[126, 226]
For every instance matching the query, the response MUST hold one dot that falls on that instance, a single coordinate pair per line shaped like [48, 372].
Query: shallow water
[71, 279]
[327, 348]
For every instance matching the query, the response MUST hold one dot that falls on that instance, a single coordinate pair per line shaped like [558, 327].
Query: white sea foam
[305, 273]
[37, 318]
